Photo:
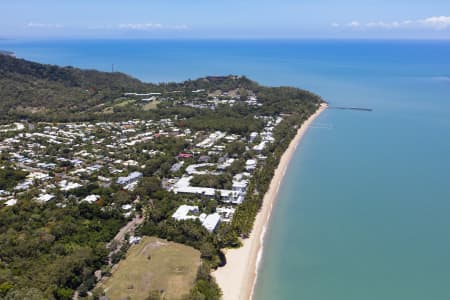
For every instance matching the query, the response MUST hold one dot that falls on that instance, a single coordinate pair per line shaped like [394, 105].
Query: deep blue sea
[364, 210]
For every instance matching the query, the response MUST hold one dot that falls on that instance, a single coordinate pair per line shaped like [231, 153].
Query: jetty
[351, 108]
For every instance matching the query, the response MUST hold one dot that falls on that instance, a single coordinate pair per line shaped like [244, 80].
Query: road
[120, 236]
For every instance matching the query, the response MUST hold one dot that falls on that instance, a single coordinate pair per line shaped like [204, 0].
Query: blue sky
[225, 19]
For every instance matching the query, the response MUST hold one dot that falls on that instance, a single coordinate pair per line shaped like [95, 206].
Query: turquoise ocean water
[364, 210]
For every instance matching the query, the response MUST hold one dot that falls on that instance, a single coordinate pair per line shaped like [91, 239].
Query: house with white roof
[253, 136]
[65, 185]
[184, 212]
[127, 207]
[260, 147]
[250, 164]
[91, 198]
[11, 202]
[189, 212]
[183, 186]
[43, 198]
[226, 213]
[240, 186]
[131, 178]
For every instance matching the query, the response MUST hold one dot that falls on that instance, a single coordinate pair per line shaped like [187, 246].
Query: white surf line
[261, 248]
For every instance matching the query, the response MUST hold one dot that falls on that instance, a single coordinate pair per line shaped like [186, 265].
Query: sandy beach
[237, 278]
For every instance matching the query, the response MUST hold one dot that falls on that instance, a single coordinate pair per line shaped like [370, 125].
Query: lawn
[154, 264]
[151, 105]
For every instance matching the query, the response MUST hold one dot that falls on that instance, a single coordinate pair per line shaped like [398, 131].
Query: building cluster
[62, 158]
[196, 99]
[189, 212]
[224, 98]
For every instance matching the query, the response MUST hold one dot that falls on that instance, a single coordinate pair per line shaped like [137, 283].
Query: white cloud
[387, 25]
[437, 23]
[441, 22]
[354, 24]
[145, 26]
[150, 26]
[43, 25]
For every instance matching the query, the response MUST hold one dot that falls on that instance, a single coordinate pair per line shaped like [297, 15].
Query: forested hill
[40, 92]
[28, 88]
[69, 76]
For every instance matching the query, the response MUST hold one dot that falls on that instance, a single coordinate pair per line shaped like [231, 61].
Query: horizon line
[252, 38]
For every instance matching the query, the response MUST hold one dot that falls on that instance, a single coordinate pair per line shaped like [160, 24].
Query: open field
[151, 105]
[124, 103]
[154, 264]
[108, 110]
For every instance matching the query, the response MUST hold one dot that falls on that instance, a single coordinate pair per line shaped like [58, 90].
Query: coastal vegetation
[246, 212]
[53, 250]
[10, 177]
[222, 181]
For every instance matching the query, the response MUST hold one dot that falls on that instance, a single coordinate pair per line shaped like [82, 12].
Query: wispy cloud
[389, 25]
[150, 26]
[43, 25]
[436, 23]
[334, 24]
[354, 24]
[125, 26]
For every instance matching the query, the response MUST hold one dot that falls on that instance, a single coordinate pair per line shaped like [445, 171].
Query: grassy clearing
[124, 103]
[108, 110]
[150, 105]
[154, 264]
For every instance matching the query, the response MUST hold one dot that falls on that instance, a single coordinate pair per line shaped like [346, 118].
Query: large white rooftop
[182, 213]
[183, 186]
[133, 176]
[91, 198]
[211, 221]
[67, 186]
[45, 198]
[11, 202]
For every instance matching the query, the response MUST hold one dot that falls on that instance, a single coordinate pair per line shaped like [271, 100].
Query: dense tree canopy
[9, 178]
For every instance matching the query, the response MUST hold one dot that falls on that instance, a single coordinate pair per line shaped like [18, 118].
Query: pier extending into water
[351, 108]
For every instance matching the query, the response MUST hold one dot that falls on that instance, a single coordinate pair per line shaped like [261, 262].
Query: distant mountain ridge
[30, 89]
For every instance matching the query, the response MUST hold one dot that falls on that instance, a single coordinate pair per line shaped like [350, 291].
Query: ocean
[364, 209]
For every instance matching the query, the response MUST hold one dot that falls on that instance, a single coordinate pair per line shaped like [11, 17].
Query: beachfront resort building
[211, 222]
[189, 212]
[183, 186]
[185, 212]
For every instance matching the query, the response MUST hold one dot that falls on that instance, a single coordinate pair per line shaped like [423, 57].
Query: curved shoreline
[237, 278]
